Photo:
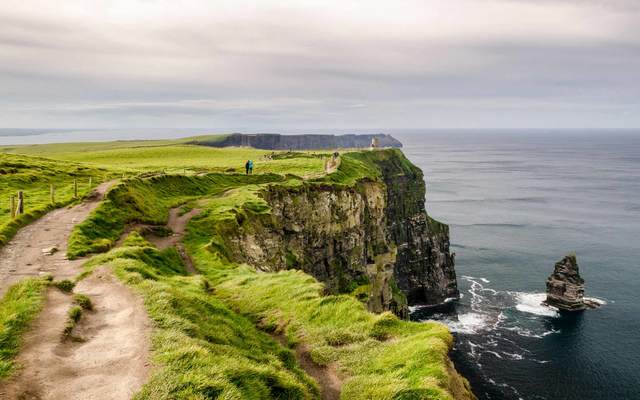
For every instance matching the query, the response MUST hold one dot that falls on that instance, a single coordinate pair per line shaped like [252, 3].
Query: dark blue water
[516, 203]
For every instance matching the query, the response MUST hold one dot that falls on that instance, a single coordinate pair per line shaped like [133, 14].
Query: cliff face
[271, 141]
[424, 269]
[373, 239]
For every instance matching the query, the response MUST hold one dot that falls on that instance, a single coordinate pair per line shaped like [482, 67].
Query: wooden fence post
[20, 203]
[75, 188]
[52, 192]
[12, 202]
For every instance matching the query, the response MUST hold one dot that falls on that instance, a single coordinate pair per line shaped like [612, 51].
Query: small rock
[49, 250]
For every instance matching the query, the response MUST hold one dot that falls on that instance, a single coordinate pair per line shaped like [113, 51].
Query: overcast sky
[316, 64]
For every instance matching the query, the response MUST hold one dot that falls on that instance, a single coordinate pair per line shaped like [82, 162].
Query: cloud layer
[282, 64]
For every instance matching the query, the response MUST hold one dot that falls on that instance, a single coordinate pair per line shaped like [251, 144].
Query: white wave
[532, 303]
[596, 300]
[449, 299]
[421, 306]
[527, 333]
[513, 356]
[469, 323]
[493, 353]
[413, 309]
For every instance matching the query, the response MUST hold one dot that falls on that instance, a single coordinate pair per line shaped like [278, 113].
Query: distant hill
[272, 141]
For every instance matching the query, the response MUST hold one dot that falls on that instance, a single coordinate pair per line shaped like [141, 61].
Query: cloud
[314, 63]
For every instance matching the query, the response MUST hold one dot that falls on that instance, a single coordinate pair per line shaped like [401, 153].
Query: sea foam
[532, 303]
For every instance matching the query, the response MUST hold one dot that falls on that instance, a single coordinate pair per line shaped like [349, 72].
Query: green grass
[56, 149]
[19, 306]
[382, 356]
[174, 157]
[202, 349]
[148, 201]
[65, 285]
[34, 176]
[83, 301]
[73, 317]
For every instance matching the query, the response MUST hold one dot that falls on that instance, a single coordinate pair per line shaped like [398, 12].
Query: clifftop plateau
[279, 284]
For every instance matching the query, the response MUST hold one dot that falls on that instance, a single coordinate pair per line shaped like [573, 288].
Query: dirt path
[325, 376]
[23, 256]
[107, 360]
[178, 225]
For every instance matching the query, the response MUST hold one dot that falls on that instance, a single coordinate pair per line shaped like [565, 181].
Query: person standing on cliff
[250, 162]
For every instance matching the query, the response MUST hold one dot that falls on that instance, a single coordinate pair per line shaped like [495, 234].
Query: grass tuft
[83, 301]
[73, 316]
[65, 286]
[18, 308]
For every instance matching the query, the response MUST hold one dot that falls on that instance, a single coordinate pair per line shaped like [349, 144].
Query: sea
[517, 201]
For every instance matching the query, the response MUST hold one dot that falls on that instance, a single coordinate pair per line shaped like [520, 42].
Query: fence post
[75, 188]
[20, 202]
[12, 202]
[52, 192]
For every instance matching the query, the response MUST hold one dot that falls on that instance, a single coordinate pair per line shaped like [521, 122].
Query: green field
[171, 156]
[33, 168]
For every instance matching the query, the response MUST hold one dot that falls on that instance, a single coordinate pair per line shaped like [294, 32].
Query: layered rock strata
[373, 240]
[565, 287]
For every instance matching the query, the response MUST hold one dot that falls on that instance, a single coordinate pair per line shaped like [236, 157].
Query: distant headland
[274, 141]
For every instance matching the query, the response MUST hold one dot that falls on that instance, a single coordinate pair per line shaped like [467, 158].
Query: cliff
[370, 237]
[272, 141]
[361, 230]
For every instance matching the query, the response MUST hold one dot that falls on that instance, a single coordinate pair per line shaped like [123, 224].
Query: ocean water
[516, 203]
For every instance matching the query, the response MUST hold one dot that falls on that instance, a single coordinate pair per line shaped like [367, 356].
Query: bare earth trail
[325, 376]
[107, 355]
[177, 223]
[23, 257]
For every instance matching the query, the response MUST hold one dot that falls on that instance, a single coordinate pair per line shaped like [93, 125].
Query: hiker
[250, 162]
[246, 167]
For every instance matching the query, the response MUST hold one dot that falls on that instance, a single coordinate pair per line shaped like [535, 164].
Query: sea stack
[565, 287]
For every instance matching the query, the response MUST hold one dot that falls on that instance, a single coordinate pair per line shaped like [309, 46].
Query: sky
[320, 64]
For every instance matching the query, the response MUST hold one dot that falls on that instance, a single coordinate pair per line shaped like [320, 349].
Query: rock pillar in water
[565, 287]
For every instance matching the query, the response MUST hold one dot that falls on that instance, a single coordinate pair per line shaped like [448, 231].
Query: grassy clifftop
[232, 331]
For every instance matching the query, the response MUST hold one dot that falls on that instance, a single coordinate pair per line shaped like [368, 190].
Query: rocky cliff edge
[363, 230]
